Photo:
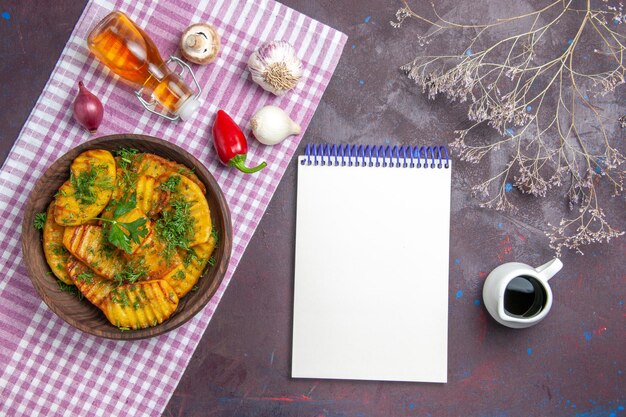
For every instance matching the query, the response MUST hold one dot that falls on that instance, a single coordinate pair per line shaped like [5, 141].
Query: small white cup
[501, 291]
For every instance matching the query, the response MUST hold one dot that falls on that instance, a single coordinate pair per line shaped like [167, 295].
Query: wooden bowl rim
[225, 247]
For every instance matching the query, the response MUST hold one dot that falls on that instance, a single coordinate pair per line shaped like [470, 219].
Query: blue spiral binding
[379, 156]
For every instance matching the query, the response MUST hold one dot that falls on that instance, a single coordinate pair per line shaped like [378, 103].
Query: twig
[539, 107]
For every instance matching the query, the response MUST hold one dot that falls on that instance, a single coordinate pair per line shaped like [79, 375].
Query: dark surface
[572, 363]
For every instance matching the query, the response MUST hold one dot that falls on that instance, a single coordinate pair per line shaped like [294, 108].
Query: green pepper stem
[239, 161]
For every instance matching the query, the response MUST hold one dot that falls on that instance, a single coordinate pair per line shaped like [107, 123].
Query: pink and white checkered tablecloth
[49, 368]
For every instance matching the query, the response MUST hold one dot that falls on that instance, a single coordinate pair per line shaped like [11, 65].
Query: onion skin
[88, 110]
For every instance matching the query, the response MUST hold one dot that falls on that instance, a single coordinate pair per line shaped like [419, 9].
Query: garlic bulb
[275, 67]
[271, 125]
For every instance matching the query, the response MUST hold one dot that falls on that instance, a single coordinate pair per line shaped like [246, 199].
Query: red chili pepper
[230, 143]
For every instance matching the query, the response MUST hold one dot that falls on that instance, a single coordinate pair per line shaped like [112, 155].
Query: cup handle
[549, 269]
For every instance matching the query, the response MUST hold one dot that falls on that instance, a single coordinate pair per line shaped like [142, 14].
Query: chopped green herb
[132, 272]
[214, 234]
[83, 186]
[127, 156]
[183, 170]
[86, 277]
[40, 220]
[123, 329]
[180, 275]
[85, 182]
[175, 227]
[194, 288]
[190, 257]
[212, 261]
[129, 179]
[137, 303]
[170, 183]
[120, 297]
[108, 249]
[70, 289]
[59, 250]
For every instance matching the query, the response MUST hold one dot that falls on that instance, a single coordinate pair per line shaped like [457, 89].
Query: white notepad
[371, 266]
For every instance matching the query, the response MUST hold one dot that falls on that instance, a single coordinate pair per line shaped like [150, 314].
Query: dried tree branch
[542, 101]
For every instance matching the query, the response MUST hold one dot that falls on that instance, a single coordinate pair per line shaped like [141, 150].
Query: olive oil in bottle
[130, 53]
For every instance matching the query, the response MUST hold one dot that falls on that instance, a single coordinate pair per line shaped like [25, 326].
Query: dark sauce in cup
[524, 296]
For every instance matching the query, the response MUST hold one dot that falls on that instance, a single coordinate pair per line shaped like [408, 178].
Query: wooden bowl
[81, 313]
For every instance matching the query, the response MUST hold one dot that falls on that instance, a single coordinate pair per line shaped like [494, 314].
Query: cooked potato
[88, 244]
[93, 287]
[88, 190]
[133, 266]
[140, 305]
[155, 166]
[186, 275]
[121, 184]
[118, 194]
[56, 254]
[150, 199]
[94, 157]
[152, 256]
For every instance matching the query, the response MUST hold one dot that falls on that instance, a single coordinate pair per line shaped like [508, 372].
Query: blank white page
[371, 273]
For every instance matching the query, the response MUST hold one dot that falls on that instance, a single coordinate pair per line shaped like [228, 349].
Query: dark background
[571, 364]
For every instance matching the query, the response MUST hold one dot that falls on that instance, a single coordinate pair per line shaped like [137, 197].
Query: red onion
[88, 110]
